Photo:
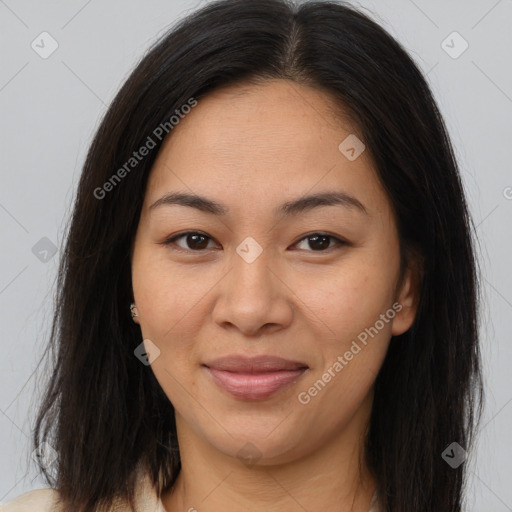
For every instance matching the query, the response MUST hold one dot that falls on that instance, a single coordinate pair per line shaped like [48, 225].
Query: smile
[254, 386]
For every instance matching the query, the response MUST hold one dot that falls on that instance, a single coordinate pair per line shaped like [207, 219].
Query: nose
[253, 297]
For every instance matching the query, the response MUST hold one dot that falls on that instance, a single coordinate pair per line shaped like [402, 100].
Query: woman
[268, 295]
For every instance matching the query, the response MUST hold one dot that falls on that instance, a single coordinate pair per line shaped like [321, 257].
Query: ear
[133, 309]
[408, 298]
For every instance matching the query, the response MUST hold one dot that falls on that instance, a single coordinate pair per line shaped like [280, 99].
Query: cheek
[350, 299]
[161, 306]
[164, 294]
[354, 346]
[167, 308]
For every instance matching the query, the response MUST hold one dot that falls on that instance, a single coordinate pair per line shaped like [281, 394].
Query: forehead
[275, 115]
[246, 141]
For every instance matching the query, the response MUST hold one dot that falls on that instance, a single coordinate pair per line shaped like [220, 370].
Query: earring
[132, 310]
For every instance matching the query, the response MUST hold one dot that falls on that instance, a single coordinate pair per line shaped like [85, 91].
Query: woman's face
[266, 271]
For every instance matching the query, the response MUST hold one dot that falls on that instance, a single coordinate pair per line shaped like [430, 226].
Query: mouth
[254, 378]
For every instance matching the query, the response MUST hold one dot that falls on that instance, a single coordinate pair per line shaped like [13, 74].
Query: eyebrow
[301, 205]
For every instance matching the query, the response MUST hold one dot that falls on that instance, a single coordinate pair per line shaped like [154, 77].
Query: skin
[251, 148]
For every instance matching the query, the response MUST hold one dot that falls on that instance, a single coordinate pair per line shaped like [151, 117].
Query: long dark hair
[105, 413]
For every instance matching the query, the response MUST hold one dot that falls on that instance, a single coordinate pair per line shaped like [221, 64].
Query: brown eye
[320, 242]
[194, 241]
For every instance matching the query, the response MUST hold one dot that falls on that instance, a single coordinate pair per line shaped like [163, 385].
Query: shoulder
[39, 500]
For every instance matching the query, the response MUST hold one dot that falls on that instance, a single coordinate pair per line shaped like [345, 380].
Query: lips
[259, 364]
[254, 378]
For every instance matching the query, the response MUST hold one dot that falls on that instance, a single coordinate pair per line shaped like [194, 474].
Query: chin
[266, 441]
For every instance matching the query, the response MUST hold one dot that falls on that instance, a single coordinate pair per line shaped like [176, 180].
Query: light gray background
[51, 107]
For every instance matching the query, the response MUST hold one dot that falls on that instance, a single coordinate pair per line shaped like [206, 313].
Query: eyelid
[339, 241]
[171, 240]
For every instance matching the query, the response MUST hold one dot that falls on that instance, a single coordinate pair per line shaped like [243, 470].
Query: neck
[330, 477]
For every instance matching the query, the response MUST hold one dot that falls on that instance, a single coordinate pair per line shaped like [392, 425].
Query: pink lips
[254, 378]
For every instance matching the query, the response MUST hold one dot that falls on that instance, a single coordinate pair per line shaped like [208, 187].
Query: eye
[319, 242]
[196, 241]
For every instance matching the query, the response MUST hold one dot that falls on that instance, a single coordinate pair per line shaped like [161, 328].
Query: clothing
[45, 500]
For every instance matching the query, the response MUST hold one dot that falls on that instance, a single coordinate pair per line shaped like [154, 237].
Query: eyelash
[171, 241]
